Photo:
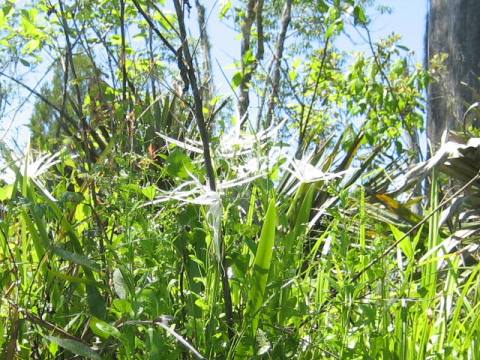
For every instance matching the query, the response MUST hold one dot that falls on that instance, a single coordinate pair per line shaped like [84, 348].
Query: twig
[247, 70]
[303, 128]
[162, 323]
[286, 18]
[44, 323]
[46, 101]
[123, 57]
[178, 54]
[198, 111]
[207, 62]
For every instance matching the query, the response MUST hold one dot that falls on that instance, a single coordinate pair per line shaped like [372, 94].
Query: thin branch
[198, 102]
[286, 18]
[77, 107]
[49, 103]
[178, 54]
[303, 128]
[123, 57]
[246, 69]
[198, 110]
[69, 54]
[260, 34]
[207, 58]
[44, 323]
[21, 105]
[110, 57]
[415, 144]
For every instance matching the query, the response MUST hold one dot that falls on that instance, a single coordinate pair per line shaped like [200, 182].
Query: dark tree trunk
[453, 28]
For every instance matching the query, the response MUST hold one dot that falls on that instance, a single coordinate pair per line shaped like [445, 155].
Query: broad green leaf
[119, 284]
[226, 6]
[75, 258]
[149, 192]
[104, 329]
[75, 347]
[96, 303]
[405, 244]
[261, 267]
[6, 192]
[237, 79]
[123, 306]
[179, 164]
[359, 15]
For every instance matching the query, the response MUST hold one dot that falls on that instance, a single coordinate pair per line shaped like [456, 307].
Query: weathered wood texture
[453, 27]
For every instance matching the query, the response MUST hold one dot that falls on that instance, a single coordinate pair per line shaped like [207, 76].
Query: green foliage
[119, 247]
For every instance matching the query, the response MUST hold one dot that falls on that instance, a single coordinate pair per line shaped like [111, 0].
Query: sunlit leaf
[75, 347]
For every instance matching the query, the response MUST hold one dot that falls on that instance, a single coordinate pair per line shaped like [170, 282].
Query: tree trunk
[453, 28]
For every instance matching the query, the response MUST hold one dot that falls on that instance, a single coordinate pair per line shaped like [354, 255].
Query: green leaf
[3, 20]
[6, 192]
[75, 258]
[123, 306]
[330, 30]
[406, 245]
[359, 15]
[261, 267]
[119, 284]
[104, 329]
[31, 46]
[96, 303]
[28, 27]
[75, 347]
[322, 6]
[227, 5]
[237, 79]
[116, 40]
[149, 192]
[398, 68]
[179, 164]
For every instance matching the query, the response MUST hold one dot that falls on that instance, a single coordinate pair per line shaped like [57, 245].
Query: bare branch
[286, 18]
[246, 28]
[178, 54]
[198, 110]
[208, 88]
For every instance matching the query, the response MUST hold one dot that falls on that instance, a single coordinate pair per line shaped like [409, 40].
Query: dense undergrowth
[127, 239]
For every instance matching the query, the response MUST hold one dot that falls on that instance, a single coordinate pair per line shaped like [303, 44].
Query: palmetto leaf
[460, 161]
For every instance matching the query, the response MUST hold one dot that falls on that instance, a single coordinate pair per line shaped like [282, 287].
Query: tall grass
[88, 269]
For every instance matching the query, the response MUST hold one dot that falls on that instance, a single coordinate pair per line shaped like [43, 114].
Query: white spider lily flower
[214, 219]
[188, 144]
[307, 173]
[240, 181]
[202, 195]
[253, 168]
[235, 142]
[30, 168]
[326, 246]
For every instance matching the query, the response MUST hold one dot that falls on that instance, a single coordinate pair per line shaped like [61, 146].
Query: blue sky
[407, 19]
